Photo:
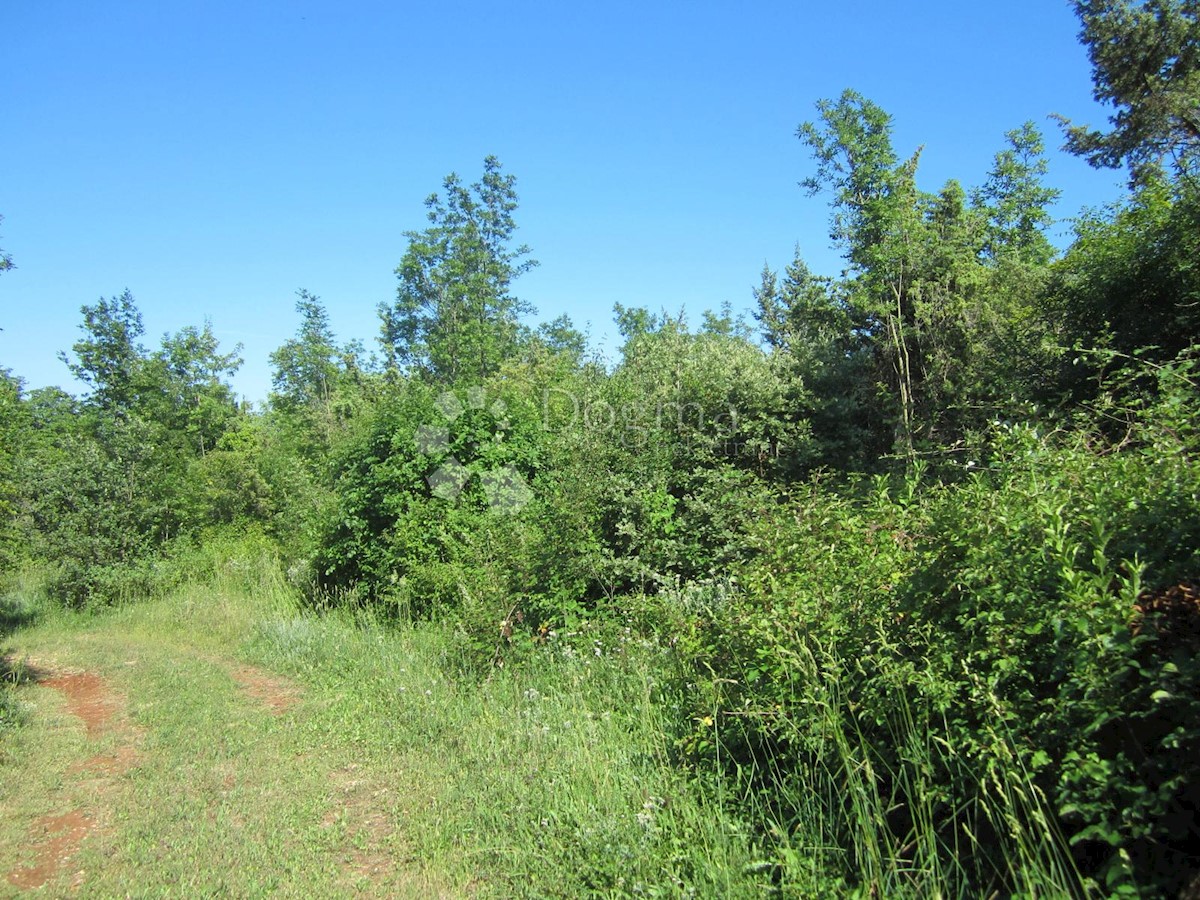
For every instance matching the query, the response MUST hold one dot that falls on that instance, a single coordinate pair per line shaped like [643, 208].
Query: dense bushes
[920, 683]
[956, 672]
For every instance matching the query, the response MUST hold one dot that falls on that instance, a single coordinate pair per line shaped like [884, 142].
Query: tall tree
[306, 366]
[1015, 200]
[454, 316]
[1146, 64]
[109, 358]
[824, 360]
[928, 275]
[878, 220]
[187, 389]
[1130, 281]
[15, 425]
[561, 336]
[317, 384]
[115, 484]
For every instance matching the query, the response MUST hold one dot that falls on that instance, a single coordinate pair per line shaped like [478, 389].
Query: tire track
[57, 839]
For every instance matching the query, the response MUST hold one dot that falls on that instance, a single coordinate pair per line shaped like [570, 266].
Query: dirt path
[57, 839]
[94, 791]
[276, 693]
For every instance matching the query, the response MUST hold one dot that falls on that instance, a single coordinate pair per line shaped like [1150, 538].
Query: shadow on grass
[15, 612]
[15, 671]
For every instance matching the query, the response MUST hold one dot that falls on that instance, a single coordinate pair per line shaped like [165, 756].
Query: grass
[393, 774]
[390, 770]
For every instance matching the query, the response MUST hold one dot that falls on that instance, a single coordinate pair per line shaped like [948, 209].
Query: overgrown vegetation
[898, 600]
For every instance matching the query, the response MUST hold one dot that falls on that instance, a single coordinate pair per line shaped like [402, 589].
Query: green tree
[561, 336]
[1130, 280]
[306, 366]
[454, 316]
[98, 505]
[318, 385]
[878, 220]
[1015, 200]
[1146, 64]
[933, 281]
[15, 425]
[185, 387]
[632, 321]
[109, 358]
[181, 388]
[106, 490]
[824, 361]
[6, 262]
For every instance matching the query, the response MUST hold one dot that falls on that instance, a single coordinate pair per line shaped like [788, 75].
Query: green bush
[952, 670]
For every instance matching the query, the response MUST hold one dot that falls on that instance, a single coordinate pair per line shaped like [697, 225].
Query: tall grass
[562, 773]
[554, 777]
[857, 807]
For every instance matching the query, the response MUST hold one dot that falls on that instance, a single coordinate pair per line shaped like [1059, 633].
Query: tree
[111, 487]
[6, 262]
[181, 389]
[306, 367]
[1146, 64]
[185, 388]
[878, 220]
[824, 361]
[1130, 280]
[108, 358]
[932, 280]
[14, 429]
[318, 385]
[1015, 200]
[454, 316]
[561, 336]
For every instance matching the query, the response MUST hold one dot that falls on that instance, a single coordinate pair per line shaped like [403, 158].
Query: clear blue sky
[215, 156]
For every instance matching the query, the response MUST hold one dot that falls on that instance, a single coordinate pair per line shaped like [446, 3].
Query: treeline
[920, 545]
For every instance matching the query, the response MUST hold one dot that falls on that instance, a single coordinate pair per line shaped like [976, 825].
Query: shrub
[952, 671]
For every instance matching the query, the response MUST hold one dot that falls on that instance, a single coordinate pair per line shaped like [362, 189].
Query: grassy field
[218, 741]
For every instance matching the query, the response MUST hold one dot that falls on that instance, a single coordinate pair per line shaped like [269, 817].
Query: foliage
[102, 506]
[104, 484]
[108, 358]
[970, 647]
[1130, 281]
[908, 592]
[454, 317]
[1015, 200]
[1145, 58]
[306, 367]
[13, 429]
[823, 359]
[318, 385]
[186, 391]
[936, 319]
[429, 510]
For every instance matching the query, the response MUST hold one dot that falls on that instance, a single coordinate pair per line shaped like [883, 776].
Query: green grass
[225, 798]
[552, 779]
[394, 774]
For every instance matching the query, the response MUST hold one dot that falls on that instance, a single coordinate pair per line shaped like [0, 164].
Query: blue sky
[214, 156]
